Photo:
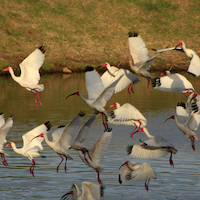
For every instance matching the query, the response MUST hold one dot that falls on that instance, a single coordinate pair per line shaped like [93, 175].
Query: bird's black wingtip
[102, 188]
[41, 48]
[81, 113]
[48, 125]
[129, 149]
[89, 68]
[132, 34]
[61, 126]
[1, 113]
[120, 181]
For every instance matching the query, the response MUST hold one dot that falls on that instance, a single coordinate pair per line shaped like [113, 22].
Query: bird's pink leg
[98, 178]
[60, 162]
[170, 159]
[132, 87]
[65, 163]
[147, 184]
[148, 84]
[32, 167]
[139, 127]
[3, 159]
[85, 150]
[39, 98]
[36, 103]
[192, 138]
[104, 119]
[133, 130]
[128, 90]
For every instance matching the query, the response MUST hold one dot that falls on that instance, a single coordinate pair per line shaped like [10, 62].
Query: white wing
[30, 66]
[174, 83]
[106, 93]
[85, 129]
[69, 130]
[2, 120]
[4, 131]
[194, 66]
[138, 151]
[28, 143]
[100, 146]
[91, 190]
[126, 114]
[93, 84]
[144, 172]
[56, 134]
[138, 50]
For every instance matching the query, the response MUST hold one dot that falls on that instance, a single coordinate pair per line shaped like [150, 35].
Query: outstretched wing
[30, 66]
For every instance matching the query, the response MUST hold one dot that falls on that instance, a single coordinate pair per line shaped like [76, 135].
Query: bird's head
[125, 163]
[75, 93]
[113, 105]
[180, 44]
[65, 196]
[41, 135]
[190, 90]
[172, 117]
[9, 144]
[7, 69]
[164, 73]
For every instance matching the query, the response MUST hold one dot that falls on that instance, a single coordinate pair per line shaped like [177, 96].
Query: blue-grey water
[179, 182]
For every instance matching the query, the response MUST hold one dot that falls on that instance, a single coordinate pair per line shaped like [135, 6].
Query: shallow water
[179, 182]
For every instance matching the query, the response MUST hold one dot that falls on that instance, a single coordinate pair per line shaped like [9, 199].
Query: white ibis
[94, 156]
[139, 61]
[32, 147]
[80, 136]
[62, 138]
[127, 114]
[187, 123]
[97, 94]
[194, 67]
[90, 191]
[30, 75]
[132, 171]
[172, 83]
[154, 147]
[4, 129]
[114, 73]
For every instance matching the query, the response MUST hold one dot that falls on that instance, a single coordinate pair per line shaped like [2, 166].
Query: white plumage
[152, 148]
[30, 76]
[97, 94]
[62, 138]
[139, 61]
[90, 191]
[188, 123]
[132, 171]
[172, 83]
[127, 114]
[32, 145]
[113, 73]
[4, 129]
[96, 154]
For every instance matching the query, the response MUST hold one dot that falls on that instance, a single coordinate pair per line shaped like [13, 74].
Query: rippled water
[179, 182]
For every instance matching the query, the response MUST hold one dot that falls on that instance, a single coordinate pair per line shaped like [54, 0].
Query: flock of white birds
[100, 89]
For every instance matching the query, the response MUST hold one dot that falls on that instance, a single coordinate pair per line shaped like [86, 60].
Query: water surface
[179, 182]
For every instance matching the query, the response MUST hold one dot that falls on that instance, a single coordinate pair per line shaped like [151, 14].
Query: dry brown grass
[79, 33]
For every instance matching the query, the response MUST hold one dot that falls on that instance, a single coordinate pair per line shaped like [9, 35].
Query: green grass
[77, 33]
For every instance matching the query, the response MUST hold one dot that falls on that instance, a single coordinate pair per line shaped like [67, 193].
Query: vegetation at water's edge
[87, 32]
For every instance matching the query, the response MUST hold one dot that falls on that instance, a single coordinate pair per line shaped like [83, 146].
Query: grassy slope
[76, 33]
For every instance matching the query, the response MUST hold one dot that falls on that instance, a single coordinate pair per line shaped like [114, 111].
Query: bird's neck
[17, 150]
[147, 133]
[12, 74]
